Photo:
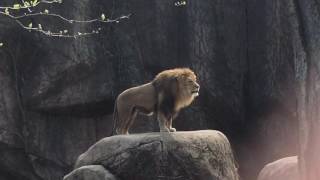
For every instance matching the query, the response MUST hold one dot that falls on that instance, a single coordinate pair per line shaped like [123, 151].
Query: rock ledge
[184, 155]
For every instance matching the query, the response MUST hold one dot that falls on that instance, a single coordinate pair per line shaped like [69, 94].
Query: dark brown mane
[166, 83]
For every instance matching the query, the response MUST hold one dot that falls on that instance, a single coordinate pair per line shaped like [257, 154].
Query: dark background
[57, 95]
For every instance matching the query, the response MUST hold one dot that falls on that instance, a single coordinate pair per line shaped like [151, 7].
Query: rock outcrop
[91, 172]
[193, 155]
[282, 169]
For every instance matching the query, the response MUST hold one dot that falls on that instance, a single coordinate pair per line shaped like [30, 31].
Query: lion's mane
[174, 88]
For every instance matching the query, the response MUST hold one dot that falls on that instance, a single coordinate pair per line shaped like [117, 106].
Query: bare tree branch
[63, 33]
[70, 20]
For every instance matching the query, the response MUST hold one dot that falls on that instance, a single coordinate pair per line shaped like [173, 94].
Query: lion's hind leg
[130, 120]
[124, 114]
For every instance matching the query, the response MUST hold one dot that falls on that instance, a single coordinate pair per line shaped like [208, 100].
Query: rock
[308, 102]
[14, 162]
[57, 94]
[285, 168]
[91, 172]
[198, 155]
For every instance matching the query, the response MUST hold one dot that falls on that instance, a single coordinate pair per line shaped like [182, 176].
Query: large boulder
[91, 172]
[198, 155]
[285, 168]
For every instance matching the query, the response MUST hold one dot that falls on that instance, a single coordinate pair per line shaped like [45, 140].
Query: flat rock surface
[198, 155]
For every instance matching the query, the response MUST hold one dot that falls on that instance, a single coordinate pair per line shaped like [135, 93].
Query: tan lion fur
[170, 91]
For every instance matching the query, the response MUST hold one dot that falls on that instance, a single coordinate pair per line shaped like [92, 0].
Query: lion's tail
[115, 119]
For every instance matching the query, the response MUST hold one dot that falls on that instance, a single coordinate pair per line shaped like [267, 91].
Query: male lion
[165, 95]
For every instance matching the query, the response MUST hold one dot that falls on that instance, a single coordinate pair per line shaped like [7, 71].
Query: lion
[169, 92]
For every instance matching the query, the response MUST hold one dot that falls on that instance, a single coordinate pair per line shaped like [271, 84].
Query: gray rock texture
[57, 95]
[309, 91]
[91, 172]
[193, 155]
[282, 169]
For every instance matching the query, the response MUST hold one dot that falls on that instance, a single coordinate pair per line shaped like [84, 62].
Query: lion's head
[182, 84]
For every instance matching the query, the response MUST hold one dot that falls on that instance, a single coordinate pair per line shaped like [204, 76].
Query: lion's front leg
[162, 120]
[169, 125]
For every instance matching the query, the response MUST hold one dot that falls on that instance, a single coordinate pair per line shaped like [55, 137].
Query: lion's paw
[164, 130]
[172, 129]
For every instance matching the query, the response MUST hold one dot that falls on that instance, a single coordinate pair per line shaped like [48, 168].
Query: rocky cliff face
[56, 95]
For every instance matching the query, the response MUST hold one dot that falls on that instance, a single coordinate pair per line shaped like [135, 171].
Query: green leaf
[6, 11]
[180, 3]
[30, 25]
[16, 6]
[34, 3]
[1, 44]
[103, 17]
[46, 11]
[26, 4]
